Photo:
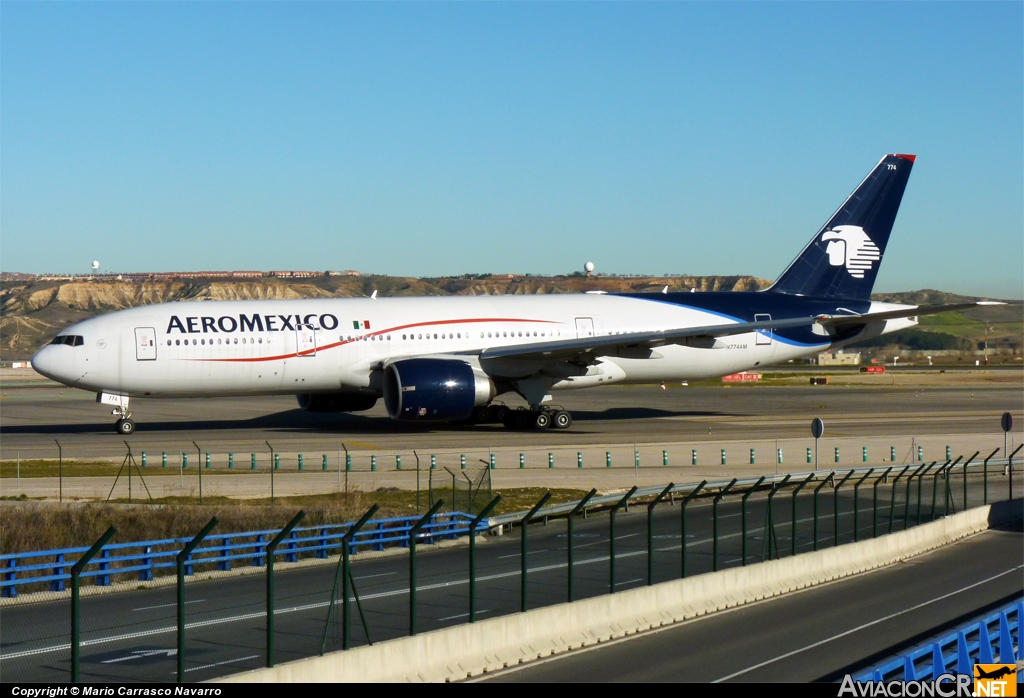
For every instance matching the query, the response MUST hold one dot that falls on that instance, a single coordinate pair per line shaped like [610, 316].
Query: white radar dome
[95, 265]
[588, 267]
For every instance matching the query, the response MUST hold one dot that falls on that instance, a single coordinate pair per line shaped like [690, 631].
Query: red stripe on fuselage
[397, 328]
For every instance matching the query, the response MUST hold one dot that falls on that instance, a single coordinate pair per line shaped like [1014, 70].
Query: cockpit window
[72, 340]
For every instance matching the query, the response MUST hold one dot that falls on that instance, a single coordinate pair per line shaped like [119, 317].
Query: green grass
[953, 318]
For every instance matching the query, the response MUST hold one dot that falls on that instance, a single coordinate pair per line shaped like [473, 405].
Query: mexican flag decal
[360, 324]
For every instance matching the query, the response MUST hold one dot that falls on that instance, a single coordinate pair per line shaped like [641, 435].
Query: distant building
[839, 358]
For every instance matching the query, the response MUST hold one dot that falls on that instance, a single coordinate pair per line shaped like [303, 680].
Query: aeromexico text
[252, 323]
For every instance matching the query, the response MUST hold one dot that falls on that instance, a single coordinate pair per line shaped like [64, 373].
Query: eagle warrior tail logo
[849, 245]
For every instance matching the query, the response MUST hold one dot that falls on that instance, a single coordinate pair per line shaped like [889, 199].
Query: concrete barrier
[467, 650]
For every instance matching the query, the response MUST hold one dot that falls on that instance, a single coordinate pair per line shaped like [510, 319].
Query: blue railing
[987, 641]
[223, 550]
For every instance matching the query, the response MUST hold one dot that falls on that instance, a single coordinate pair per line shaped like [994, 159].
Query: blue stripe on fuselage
[742, 306]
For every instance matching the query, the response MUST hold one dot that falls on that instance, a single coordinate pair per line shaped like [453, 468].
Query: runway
[130, 634]
[36, 412]
[634, 428]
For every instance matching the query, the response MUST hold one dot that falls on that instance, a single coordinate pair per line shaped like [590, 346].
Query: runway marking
[371, 576]
[228, 661]
[867, 625]
[165, 605]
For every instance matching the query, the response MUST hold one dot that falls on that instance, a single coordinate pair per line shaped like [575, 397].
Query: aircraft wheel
[563, 420]
[502, 412]
[125, 427]
[520, 419]
[542, 420]
[481, 415]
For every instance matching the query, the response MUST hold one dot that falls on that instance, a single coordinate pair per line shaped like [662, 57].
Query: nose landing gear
[124, 424]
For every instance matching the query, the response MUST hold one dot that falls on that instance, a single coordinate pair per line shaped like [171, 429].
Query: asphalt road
[33, 415]
[129, 636]
[818, 634]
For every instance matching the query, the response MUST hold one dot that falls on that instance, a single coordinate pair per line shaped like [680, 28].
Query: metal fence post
[874, 501]
[770, 527]
[181, 558]
[949, 490]
[611, 537]
[835, 508]
[524, 525]
[271, 548]
[343, 573]
[906, 504]
[920, 480]
[985, 476]
[935, 488]
[743, 517]
[682, 508]
[650, 531]
[965, 477]
[472, 555]
[856, 503]
[569, 522]
[76, 624]
[1009, 470]
[892, 497]
[413, 532]
[816, 490]
[796, 491]
[714, 514]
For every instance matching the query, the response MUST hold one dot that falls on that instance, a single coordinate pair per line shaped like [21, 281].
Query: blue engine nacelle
[434, 389]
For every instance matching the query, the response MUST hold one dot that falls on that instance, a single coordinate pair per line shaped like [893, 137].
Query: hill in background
[33, 311]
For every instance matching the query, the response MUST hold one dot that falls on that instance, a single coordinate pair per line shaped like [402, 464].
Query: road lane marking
[140, 654]
[371, 576]
[867, 625]
[165, 605]
[210, 666]
[464, 615]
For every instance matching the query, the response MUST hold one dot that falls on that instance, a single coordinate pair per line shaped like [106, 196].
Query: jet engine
[434, 389]
[336, 402]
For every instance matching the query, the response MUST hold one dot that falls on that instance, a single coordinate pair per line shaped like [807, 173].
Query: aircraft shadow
[299, 421]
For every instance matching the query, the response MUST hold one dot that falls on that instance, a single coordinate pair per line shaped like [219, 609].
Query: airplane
[445, 359]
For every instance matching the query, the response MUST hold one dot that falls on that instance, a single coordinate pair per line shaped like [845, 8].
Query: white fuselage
[222, 348]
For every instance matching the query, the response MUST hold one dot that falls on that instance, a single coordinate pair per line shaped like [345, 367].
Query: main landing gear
[541, 418]
[522, 418]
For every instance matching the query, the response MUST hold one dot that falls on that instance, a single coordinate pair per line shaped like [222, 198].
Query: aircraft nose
[42, 361]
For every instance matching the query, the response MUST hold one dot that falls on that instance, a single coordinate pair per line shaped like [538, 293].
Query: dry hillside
[32, 313]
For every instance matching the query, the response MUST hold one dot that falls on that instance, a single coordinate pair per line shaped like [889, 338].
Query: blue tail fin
[842, 259]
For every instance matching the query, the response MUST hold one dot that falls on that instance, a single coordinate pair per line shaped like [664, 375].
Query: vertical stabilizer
[842, 259]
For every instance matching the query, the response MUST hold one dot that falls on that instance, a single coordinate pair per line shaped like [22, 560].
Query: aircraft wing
[606, 344]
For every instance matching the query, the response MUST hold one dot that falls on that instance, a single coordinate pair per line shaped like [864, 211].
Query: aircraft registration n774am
[447, 358]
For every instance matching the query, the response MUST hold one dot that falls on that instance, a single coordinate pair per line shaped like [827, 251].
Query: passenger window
[261, 340]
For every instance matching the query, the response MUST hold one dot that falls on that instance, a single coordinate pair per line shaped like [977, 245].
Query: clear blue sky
[439, 139]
